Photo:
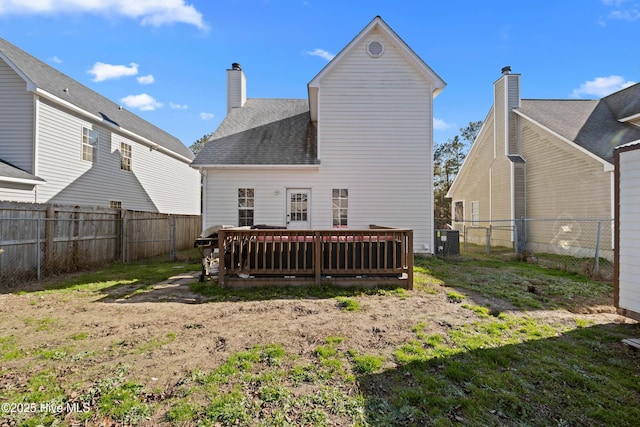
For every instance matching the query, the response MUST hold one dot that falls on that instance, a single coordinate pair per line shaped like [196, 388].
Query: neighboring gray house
[63, 143]
[544, 159]
[357, 151]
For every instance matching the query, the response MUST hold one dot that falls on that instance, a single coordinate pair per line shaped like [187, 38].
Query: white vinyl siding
[16, 120]
[159, 183]
[375, 133]
[580, 184]
[17, 192]
[629, 241]
[474, 179]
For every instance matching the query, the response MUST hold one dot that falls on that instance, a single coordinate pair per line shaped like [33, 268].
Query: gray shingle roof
[263, 132]
[54, 82]
[7, 170]
[588, 123]
[624, 103]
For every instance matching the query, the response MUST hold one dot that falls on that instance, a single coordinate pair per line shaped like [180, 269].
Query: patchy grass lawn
[479, 342]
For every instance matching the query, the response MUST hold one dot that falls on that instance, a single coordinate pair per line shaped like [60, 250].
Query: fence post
[596, 265]
[464, 232]
[318, 257]
[489, 240]
[523, 235]
[38, 274]
[124, 238]
[49, 234]
[410, 260]
[172, 237]
[118, 231]
[515, 238]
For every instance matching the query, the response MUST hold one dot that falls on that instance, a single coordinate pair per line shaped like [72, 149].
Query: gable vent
[375, 49]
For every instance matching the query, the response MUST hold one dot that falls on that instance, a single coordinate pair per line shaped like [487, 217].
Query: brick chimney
[236, 87]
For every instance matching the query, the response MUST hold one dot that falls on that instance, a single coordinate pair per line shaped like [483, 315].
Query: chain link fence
[581, 245]
[42, 240]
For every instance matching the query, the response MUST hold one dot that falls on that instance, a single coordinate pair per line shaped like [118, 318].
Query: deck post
[317, 256]
[221, 266]
[409, 259]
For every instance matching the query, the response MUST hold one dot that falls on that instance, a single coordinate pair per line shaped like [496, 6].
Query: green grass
[9, 349]
[348, 304]
[490, 368]
[526, 286]
[215, 293]
[139, 273]
[366, 363]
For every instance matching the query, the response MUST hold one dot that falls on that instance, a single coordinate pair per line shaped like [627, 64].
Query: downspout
[203, 208]
[36, 138]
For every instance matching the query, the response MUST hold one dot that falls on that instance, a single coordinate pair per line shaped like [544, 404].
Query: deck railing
[377, 255]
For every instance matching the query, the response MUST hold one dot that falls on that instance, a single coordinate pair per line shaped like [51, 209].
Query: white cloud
[207, 116]
[142, 102]
[150, 12]
[321, 53]
[621, 11]
[102, 71]
[178, 106]
[632, 14]
[55, 60]
[613, 2]
[439, 124]
[146, 80]
[601, 87]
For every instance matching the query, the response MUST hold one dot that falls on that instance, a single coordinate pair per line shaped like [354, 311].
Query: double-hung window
[458, 211]
[89, 144]
[340, 207]
[475, 213]
[245, 206]
[125, 156]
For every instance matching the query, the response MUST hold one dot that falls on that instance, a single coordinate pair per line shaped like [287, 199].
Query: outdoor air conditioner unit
[447, 242]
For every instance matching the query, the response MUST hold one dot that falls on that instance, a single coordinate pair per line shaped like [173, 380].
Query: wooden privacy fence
[380, 255]
[38, 239]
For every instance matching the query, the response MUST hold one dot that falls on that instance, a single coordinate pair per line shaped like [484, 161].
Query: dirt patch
[165, 331]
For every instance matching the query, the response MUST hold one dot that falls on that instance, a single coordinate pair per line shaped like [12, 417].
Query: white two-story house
[357, 151]
[63, 143]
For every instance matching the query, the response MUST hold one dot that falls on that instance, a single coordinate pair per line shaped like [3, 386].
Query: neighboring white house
[357, 152]
[61, 142]
[627, 230]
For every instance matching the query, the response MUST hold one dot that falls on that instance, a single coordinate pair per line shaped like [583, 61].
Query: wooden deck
[632, 343]
[258, 257]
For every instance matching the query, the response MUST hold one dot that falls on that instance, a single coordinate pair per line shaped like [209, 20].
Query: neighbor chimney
[506, 97]
[236, 87]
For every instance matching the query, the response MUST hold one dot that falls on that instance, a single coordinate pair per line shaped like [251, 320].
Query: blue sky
[165, 60]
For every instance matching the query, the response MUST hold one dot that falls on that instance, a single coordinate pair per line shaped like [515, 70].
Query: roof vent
[506, 70]
[375, 49]
[236, 66]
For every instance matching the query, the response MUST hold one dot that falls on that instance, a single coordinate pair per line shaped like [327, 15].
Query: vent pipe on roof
[506, 70]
